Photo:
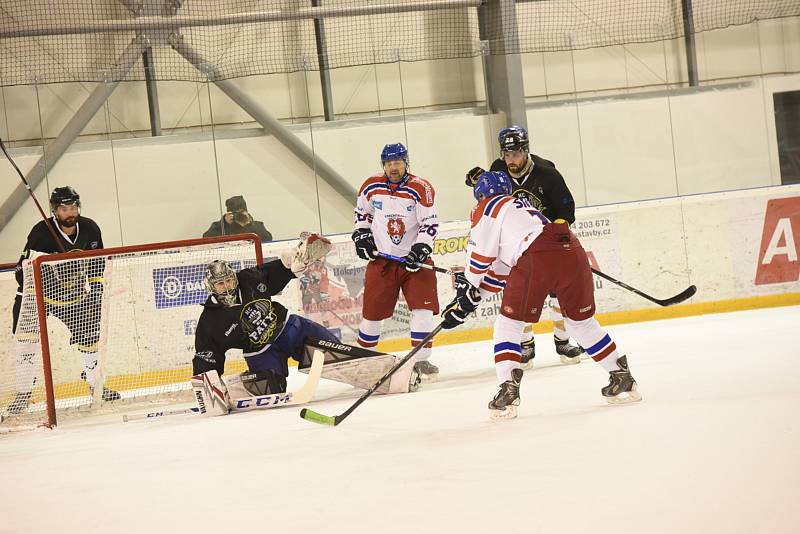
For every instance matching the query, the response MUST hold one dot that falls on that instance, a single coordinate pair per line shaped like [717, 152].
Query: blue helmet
[491, 184]
[394, 151]
[513, 138]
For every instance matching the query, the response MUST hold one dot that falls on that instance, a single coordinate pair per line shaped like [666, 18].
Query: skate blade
[429, 378]
[570, 361]
[527, 366]
[626, 397]
[509, 412]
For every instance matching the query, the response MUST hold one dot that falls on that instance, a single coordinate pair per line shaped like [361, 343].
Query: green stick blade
[314, 417]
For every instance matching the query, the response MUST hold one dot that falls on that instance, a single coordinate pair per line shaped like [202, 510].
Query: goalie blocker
[322, 358]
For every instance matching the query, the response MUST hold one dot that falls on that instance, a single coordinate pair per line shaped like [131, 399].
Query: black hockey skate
[568, 352]
[504, 405]
[427, 371]
[528, 353]
[108, 394]
[20, 403]
[621, 388]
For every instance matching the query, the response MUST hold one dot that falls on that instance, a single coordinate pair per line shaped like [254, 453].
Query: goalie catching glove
[416, 257]
[467, 300]
[311, 248]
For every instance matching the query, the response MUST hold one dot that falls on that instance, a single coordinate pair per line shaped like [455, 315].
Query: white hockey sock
[559, 328]
[596, 341]
[507, 351]
[368, 333]
[26, 368]
[421, 325]
[89, 360]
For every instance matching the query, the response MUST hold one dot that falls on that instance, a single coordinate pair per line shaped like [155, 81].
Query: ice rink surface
[713, 448]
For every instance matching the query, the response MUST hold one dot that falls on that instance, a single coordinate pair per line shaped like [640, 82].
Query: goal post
[110, 327]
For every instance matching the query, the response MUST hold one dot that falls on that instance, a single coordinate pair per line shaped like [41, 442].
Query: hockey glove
[311, 248]
[467, 300]
[472, 176]
[365, 244]
[416, 257]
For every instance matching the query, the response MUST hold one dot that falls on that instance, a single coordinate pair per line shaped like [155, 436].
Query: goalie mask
[221, 282]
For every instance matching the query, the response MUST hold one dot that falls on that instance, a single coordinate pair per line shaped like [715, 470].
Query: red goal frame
[39, 293]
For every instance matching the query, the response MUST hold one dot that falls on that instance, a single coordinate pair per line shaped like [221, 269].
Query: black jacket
[256, 227]
[544, 187]
[251, 325]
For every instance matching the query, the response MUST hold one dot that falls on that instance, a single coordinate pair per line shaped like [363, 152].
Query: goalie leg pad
[211, 394]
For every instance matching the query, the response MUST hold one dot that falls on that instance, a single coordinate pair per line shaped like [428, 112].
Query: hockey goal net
[110, 328]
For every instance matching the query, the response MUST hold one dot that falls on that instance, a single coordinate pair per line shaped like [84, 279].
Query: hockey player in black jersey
[76, 302]
[240, 313]
[537, 180]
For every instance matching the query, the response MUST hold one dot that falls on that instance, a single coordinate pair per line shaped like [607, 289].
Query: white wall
[609, 149]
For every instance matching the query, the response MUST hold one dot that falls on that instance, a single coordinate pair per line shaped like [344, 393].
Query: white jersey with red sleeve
[503, 227]
[399, 215]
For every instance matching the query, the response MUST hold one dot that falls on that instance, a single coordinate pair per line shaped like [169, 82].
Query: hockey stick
[423, 265]
[680, 297]
[30, 192]
[245, 404]
[333, 420]
[677, 299]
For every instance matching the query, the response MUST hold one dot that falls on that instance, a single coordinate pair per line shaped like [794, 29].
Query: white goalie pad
[311, 248]
[211, 394]
[362, 368]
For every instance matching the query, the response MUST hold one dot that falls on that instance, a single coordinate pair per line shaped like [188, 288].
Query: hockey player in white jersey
[395, 214]
[513, 247]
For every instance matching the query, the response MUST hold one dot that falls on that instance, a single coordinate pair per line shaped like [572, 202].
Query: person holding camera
[237, 220]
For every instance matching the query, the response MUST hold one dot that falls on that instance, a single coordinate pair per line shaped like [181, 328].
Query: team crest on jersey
[259, 321]
[396, 229]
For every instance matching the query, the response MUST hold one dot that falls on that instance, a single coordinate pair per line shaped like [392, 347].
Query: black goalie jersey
[544, 187]
[252, 324]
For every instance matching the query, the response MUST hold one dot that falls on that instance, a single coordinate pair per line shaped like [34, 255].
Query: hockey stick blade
[334, 420]
[686, 294]
[315, 417]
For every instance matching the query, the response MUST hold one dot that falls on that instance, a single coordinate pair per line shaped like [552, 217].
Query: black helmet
[513, 138]
[64, 196]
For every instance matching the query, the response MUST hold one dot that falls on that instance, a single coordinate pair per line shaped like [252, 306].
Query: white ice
[713, 448]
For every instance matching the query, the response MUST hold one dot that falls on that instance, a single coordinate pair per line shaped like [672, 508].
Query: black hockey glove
[472, 176]
[416, 257]
[365, 244]
[467, 300]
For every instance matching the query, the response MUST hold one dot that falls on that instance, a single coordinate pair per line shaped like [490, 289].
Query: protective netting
[46, 41]
[120, 329]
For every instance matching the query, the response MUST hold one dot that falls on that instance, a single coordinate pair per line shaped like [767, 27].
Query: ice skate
[108, 394]
[427, 371]
[621, 388]
[415, 380]
[504, 405]
[528, 353]
[20, 403]
[568, 352]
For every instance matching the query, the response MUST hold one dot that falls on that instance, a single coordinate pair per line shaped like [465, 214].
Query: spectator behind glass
[237, 220]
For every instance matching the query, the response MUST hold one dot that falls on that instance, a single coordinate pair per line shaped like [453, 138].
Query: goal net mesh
[116, 324]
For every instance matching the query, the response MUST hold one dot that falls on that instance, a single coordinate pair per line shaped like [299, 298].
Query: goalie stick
[245, 404]
[333, 420]
[676, 299]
